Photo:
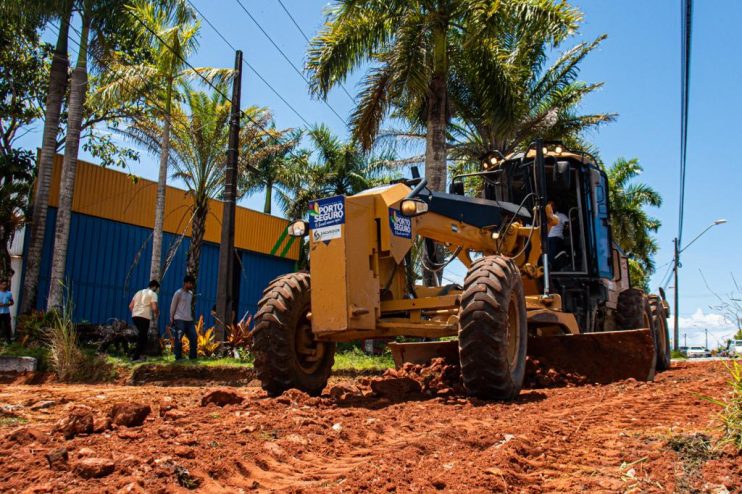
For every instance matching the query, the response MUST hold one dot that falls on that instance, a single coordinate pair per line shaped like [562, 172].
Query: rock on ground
[221, 397]
[57, 459]
[79, 421]
[129, 414]
[94, 468]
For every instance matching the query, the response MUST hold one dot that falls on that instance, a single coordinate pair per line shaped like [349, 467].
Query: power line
[342, 86]
[685, 59]
[301, 74]
[201, 76]
[249, 66]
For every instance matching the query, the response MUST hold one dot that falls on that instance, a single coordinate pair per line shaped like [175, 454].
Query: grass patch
[12, 421]
[355, 359]
[731, 409]
[693, 450]
[352, 359]
[678, 355]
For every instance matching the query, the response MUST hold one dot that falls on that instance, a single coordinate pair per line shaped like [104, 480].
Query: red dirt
[612, 438]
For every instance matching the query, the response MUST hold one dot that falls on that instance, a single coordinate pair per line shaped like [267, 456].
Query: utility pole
[707, 338]
[676, 332]
[225, 292]
[685, 340]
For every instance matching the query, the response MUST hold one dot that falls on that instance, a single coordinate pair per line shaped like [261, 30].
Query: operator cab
[581, 270]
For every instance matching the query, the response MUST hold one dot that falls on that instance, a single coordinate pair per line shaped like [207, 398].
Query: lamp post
[676, 262]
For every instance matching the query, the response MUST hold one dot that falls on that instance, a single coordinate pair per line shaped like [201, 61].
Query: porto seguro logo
[401, 226]
[327, 212]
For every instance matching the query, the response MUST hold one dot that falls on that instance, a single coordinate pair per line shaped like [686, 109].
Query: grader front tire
[286, 353]
[493, 329]
[633, 311]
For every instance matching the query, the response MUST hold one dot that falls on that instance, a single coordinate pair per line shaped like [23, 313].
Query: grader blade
[601, 357]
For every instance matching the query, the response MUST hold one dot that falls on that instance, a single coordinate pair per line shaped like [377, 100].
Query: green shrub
[65, 356]
[731, 413]
[32, 329]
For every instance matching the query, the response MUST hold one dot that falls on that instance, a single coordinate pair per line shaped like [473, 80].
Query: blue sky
[640, 65]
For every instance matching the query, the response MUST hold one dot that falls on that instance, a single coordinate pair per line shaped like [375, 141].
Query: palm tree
[96, 24]
[60, 10]
[333, 167]
[409, 44]
[532, 101]
[632, 226]
[267, 156]
[170, 31]
[198, 141]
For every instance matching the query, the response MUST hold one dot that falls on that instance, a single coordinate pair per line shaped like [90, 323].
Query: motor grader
[573, 311]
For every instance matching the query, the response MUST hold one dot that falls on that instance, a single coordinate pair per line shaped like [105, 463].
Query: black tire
[282, 339]
[632, 311]
[493, 329]
[659, 318]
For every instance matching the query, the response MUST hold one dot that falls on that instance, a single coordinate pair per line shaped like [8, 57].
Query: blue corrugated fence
[108, 261]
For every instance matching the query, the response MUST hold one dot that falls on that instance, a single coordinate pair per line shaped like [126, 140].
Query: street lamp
[676, 262]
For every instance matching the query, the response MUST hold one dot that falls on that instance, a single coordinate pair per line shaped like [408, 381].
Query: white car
[735, 348]
[697, 352]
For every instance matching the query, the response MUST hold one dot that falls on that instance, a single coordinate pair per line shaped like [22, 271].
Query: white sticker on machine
[326, 233]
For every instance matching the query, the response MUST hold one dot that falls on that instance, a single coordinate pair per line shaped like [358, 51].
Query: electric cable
[685, 58]
[342, 86]
[201, 76]
[283, 54]
[249, 66]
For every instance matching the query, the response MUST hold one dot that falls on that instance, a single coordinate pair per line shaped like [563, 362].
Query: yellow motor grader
[571, 309]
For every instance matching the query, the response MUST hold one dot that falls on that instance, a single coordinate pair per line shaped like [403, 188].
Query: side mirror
[456, 187]
[413, 207]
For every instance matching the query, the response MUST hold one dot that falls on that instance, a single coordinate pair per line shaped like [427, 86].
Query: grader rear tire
[659, 318]
[493, 329]
[634, 312]
[631, 310]
[286, 353]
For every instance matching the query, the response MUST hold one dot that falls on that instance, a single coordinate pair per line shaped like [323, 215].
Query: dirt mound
[539, 375]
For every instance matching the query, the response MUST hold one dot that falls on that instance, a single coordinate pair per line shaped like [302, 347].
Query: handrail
[571, 236]
[414, 192]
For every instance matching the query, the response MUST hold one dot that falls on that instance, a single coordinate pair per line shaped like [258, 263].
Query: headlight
[413, 207]
[298, 228]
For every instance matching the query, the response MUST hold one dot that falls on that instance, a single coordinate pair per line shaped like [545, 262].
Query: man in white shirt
[556, 233]
[144, 310]
[181, 318]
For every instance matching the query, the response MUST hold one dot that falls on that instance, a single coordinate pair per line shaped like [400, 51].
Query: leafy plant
[65, 356]
[33, 328]
[238, 338]
[207, 345]
[731, 409]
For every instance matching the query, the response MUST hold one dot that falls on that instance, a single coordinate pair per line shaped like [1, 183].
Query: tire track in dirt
[553, 440]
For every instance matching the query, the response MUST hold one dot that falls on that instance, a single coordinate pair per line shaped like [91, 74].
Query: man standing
[6, 301]
[181, 318]
[558, 221]
[144, 310]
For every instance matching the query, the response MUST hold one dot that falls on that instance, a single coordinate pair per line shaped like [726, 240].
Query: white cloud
[692, 329]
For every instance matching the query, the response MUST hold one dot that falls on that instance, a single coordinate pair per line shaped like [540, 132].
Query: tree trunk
[435, 139]
[57, 89]
[78, 90]
[268, 197]
[154, 272]
[201, 210]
